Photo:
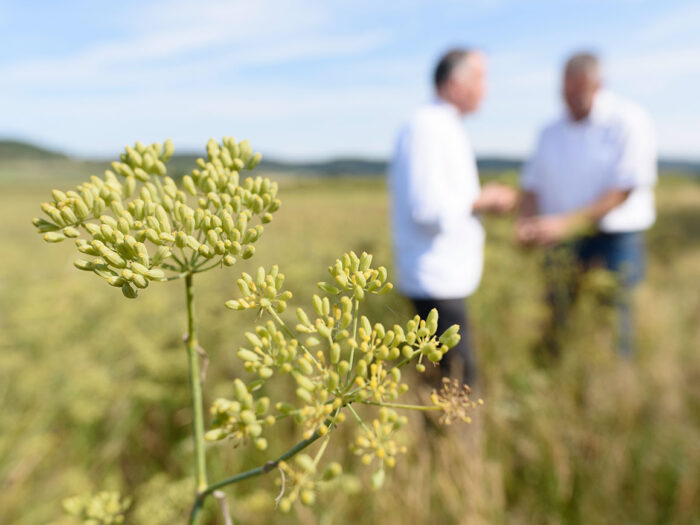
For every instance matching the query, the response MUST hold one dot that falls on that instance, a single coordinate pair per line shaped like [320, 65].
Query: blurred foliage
[95, 396]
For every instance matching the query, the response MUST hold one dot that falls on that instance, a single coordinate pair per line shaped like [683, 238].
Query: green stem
[196, 388]
[199, 269]
[263, 469]
[354, 337]
[358, 418]
[423, 408]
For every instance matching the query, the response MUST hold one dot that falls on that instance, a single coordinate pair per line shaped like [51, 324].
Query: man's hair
[448, 63]
[585, 62]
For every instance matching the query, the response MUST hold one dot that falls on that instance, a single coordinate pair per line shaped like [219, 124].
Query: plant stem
[422, 408]
[263, 469]
[354, 336]
[359, 419]
[196, 387]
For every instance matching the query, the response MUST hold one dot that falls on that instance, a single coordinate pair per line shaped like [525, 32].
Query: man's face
[467, 84]
[579, 91]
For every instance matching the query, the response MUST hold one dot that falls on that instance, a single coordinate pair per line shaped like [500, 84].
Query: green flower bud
[253, 339]
[71, 232]
[386, 289]
[240, 390]
[139, 280]
[248, 252]
[431, 321]
[322, 329]
[112, 258]
[68, 215]
[335, 353]
[216, 434]
[160, 168]
[378, 479]
[332, 471]
[318, 304]
[307, 497]
[82, 264]
[168, 150]
[305, 366]
[128, 291]
[329, 289]
[254, 161]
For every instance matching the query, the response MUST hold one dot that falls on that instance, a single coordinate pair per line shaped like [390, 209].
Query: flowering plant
[138, 226]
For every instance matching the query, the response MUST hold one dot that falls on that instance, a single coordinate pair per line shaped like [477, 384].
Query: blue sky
[317, 79]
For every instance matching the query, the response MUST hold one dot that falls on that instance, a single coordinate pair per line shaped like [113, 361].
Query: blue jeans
[621, 253]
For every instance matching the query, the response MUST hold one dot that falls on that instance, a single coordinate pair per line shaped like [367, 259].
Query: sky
[312, 80]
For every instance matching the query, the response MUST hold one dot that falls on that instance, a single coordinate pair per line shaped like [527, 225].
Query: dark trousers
[620, 253]
[459, 361]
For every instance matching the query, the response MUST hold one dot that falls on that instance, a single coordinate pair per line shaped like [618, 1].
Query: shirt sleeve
[430, 204]
[532, 170]
[635, 165]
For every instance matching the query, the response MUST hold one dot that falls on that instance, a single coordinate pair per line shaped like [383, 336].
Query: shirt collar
[447, 106]
[600, 110]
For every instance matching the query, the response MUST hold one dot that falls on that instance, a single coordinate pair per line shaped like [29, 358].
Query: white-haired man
[588, 190]
[436, 196]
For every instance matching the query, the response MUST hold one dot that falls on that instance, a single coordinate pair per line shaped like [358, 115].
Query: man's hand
[526, 230]
[546, 230]
[496, 198]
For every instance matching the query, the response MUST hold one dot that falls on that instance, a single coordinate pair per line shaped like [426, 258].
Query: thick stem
[196, 388]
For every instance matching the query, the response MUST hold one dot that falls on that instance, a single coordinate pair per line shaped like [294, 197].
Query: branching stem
[263, 469]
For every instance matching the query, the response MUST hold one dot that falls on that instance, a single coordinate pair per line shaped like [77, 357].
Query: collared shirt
[438, 241]
[575, 163]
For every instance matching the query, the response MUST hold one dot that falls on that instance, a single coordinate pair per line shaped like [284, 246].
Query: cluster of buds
[336, 358]
[103, 508]
[454, 401]
[270, 350]
[263, 292]
[137, 223]
[305, 480]
[241, 419]
[353, 274]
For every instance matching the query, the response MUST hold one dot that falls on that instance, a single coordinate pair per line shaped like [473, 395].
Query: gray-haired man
[588, 188]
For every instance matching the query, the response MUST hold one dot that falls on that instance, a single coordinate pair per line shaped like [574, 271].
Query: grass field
[94, 391]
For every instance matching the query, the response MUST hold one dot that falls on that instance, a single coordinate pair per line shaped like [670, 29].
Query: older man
[588, 188]
[438, 238]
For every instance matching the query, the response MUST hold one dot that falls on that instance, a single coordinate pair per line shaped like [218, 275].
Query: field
[94, 391]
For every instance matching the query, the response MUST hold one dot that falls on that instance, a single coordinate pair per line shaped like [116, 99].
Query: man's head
[460, 78]
[581, 83]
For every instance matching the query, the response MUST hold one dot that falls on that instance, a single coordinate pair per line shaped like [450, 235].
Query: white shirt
[575, 163]
[438, 241]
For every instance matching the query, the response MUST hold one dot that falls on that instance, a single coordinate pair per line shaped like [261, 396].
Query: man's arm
[495, 198]
[550, 229]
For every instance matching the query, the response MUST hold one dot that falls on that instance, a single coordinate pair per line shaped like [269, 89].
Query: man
[588, 189]
[438, 238]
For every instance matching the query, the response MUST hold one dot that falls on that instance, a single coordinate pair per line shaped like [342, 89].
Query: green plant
[140, 227]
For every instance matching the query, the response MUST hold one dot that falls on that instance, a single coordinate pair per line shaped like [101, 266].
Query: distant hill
[12, 150]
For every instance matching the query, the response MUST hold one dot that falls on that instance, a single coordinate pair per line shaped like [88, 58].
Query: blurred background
[93, 387]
